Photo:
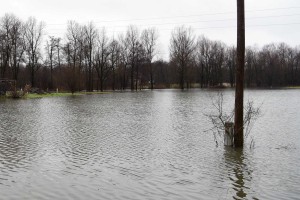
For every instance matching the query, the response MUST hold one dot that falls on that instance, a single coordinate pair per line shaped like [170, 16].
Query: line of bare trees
[89, 59]
[213, 63]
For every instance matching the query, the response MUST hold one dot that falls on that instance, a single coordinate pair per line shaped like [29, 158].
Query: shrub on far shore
[15, 94]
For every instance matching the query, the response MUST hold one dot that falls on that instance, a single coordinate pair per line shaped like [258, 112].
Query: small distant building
[6, 85]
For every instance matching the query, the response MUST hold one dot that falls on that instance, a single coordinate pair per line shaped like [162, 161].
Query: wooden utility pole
[239, 89]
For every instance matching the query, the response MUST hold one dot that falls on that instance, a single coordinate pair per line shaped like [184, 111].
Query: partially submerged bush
[14, 93]
[219, 117]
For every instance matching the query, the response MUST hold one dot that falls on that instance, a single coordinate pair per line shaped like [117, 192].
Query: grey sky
[266, 20]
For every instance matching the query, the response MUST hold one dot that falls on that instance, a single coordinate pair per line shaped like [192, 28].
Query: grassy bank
[54, 94]
[293, 87]
[60, 94]
[83, 93]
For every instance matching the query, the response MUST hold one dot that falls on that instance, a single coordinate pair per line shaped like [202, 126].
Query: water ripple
[147, 145]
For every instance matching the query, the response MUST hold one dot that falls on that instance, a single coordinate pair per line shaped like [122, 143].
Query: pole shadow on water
[238, 172]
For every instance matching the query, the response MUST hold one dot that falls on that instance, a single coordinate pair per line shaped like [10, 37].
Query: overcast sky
[266, 20]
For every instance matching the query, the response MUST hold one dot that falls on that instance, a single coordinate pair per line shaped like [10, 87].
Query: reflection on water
[146, 145]
[238, 171]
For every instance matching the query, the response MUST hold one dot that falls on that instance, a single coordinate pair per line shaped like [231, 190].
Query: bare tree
[149, 40]
[140, 60]
[251, 66]
[12, 46]
[210, 57]
[18, 46]
[77, 53]
[114, 59]
[70, 71]
[125, 60]
[102, 58]
[203, 57]
[52, 51]
[293, 66]
[33, 40]
[217, 62]
[230, 64]
[296, 67]
[6, 25]
[90, 37]
[182, 49]
[268, 59]
[58, 51]
[132, 42]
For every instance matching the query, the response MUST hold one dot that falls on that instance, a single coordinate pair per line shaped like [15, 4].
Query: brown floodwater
[146, 145]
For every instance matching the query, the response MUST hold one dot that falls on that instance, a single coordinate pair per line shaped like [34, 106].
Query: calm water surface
[146, 145]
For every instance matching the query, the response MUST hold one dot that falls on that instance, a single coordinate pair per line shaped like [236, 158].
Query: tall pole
[239, 89]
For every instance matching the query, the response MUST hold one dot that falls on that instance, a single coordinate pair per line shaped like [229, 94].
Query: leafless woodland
[87, 58]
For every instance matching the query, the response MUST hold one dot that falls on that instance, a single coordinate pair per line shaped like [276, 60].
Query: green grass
[92, 93]
[293, 87]
[34, 96]
[60, 94]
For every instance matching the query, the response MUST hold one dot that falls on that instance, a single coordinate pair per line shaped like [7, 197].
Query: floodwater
[146, 145]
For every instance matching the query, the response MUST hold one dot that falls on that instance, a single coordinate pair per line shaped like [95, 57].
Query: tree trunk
[32, 76]
[101, 77]
[114, 79]
[151, 76]
[51, 74]
[124, 78]
[137, 78]
[132, 78]
[202, 75]
[239, 91]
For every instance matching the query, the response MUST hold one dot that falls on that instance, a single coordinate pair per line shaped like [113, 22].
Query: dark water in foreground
[146, 145]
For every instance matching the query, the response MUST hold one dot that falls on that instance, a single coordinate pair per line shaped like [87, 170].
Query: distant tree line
[88, 59]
